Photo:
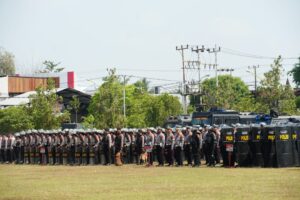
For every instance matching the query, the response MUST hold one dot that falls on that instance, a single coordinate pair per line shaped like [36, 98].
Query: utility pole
[215, 50]
[181, 49]
[198, 50]
[255, 77]
[124, 94]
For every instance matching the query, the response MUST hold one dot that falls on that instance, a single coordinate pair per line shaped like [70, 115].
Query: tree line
[143, 108]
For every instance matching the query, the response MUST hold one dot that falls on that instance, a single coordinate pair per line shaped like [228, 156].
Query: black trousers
[112, 154]
[17, 154]
[170, 155]
[210, 153]
[150, 158]
[22, 153]
[217, 154]
[188, 153]
[107, 154]
[196, 156]
[178, 156]
[8, 155]
[160, 154]
[2, 155]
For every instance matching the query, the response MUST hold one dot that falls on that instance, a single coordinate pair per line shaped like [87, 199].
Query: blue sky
[139, 37]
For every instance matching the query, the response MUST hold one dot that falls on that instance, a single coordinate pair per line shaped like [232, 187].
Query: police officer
[107, 146]
[27, 147]
[179, 142]
[195, 143]
[9, 148]
[17, 148]
[170, 140]
[187, 146]
[205, 148]
[97, 146]
[113, 137]
[119, 141]
[149, 142]
[217, 150]
[160, 146]
[140, 143]
[210, 145]
[126, 146]
[2, 144]
[59, 148]
[132, 135]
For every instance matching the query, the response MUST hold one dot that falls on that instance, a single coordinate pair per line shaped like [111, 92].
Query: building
[67, 96]
[15, 85]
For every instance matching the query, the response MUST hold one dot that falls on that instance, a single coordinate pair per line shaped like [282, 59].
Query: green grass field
[138, 182]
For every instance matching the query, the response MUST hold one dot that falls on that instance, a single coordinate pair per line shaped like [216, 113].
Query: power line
[243, 54]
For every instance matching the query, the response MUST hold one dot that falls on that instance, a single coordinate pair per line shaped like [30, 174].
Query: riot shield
[269, 146]
[256, 146]
[227, 145]
[295, 129]
[284, 148]
[242, 146]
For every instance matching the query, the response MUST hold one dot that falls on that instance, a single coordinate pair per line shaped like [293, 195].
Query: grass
[26, 182]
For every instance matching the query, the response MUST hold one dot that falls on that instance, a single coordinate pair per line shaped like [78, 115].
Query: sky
[139, 37]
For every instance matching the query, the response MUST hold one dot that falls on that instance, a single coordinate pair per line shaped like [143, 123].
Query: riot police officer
[187, 146]
[179, 141]
[107, 146]
[195, 143]
[140, 143]
[210, 146]
[160, 146]
[170, 140]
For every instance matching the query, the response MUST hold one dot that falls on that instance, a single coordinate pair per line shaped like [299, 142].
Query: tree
[295, 72]
[298, 102]
[106, 104]
[160, 107]
[231, 91]
[7, 63]
[75, 105]
[272, 94]
[51, 67]
[88, 121]
[142, 85]
[15, 119]
[44, 108]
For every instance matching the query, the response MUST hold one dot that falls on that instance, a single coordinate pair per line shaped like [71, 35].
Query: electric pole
[215, 50]
[255, 77]
[198, 50]
[181, 49]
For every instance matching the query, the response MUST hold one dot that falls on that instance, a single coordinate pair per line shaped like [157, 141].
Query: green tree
[295, 72]
[231, 91]
[50, 67]
[88, 121]
[7, 63]
[106, 104]
[44, 108]
[75, 105]
[272, 94]
[15, 119]
[160, 107]
[298, 102]
[142, 85]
